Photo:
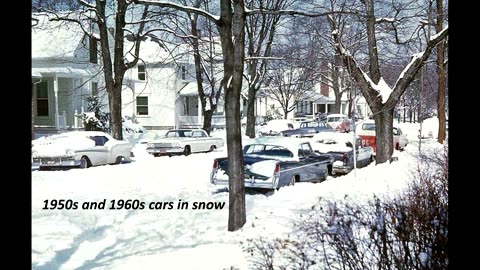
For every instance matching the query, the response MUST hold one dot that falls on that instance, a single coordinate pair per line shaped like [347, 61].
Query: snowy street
[164, 238]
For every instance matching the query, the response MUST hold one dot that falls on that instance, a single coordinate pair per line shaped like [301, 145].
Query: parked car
[340, 146]
[274, 162]
[274, 127]
[366, 130]
[430, 128]
[79, 149]
[183, 142]
[339, 122]
[308, 129]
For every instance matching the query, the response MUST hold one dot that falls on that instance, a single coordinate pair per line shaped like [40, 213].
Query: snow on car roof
[339, 137]
[292, 144]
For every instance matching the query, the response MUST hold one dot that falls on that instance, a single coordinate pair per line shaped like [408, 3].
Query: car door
[200, 143]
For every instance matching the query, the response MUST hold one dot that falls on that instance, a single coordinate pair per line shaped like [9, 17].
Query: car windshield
[334, 119]
[267, 150]
[179, 133]
[368, 126]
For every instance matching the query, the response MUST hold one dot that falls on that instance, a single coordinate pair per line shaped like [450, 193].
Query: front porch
[59, 99]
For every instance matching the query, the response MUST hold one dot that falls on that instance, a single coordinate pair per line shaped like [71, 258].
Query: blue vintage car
[274, 162]
[308, 129]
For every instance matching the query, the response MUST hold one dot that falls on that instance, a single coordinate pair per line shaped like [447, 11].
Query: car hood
[59, 147]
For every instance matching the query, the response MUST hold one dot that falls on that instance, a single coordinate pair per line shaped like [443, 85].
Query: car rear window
[368, 126]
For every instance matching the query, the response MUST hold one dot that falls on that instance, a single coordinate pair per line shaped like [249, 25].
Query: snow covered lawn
[175, 238]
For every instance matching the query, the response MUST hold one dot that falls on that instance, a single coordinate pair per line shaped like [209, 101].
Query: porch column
[199, 109]
[326, 107]
[55, 91]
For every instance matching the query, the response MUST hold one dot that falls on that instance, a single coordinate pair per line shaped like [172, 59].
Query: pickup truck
[274, 162]
[366, 131]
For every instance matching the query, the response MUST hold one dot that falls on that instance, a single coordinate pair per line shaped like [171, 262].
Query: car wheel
[212, 148]
[156, 154]
[292, 181]
[84, 163]
[187, 151]
[119, 160]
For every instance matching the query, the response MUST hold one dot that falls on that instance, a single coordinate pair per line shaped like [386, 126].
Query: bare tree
[381, 98]
[230, 24]
[205, 58]
[289, 83]
[441, 66]
[114, 59]
[260, 33]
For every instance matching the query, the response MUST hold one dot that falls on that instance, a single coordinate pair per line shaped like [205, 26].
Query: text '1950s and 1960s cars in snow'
[79, 149]
[274, 162]
[184, 142]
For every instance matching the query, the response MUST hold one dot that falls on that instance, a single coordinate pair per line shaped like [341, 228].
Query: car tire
[118, 160]
[84, 162]
[187, 151]
[212, 148]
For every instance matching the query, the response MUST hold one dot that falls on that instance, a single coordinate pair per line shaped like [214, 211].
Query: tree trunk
[441, 76]
[115, 105]
[384, 135]
[232, 24]
[335, 84]
[33, 115]
[250, 132]
[207, 121]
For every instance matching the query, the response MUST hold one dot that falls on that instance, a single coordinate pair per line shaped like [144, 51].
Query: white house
[65, 71]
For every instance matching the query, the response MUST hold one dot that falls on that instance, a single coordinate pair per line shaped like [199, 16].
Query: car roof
[343, 137]
[291, 144]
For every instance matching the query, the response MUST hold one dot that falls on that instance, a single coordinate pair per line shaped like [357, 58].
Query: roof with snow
[54, 39]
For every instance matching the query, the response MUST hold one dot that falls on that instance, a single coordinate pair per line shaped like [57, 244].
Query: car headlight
[150, 145]
[70, 152]
[34, 154]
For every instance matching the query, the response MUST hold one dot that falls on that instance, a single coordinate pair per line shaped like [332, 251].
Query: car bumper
[165, 151]
[341, 169]
[270, 183]
[55, 162]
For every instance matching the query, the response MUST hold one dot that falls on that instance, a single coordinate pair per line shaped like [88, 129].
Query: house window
[93, 50]
[42, 99]
[184, 72]
[141, 72]
[142, 105]
[186, 107]
[94, 89]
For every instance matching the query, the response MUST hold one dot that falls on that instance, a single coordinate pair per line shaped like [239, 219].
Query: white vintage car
[183, 142]
[79, 149]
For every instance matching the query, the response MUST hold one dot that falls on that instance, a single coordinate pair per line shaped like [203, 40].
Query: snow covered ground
[178, 238]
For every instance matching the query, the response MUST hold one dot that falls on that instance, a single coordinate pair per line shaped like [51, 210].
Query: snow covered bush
[95, 119]
[273, 113]
[409, 231]
[131, 125]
